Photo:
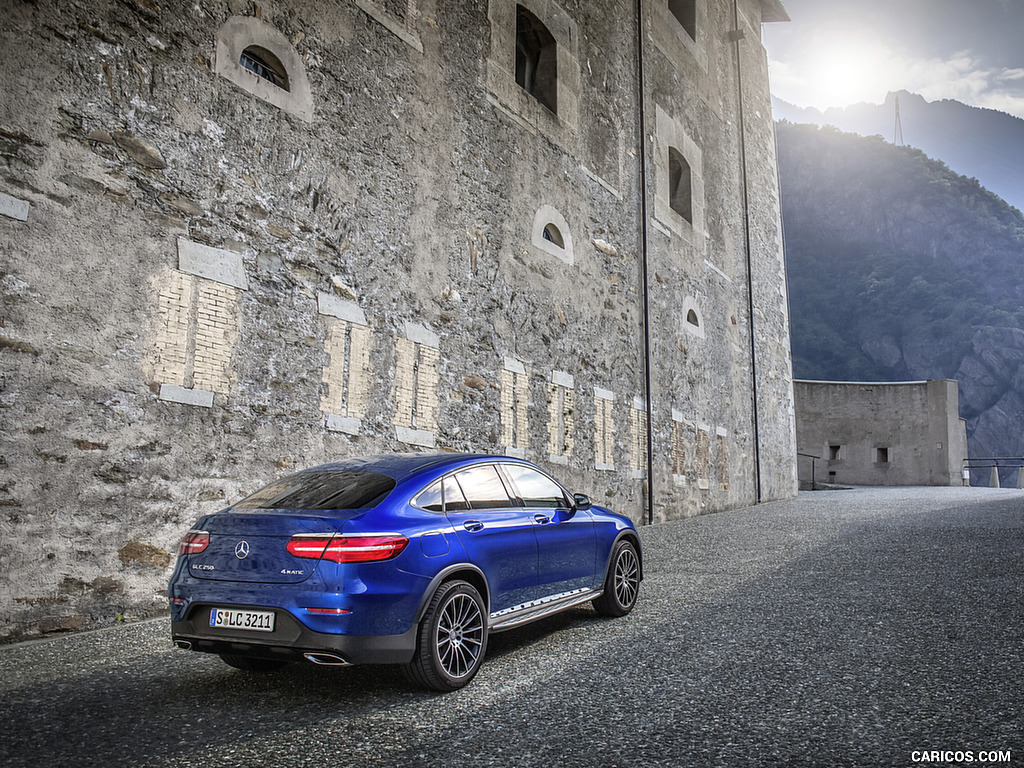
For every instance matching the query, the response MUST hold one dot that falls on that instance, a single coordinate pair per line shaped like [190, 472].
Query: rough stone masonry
[239, 239]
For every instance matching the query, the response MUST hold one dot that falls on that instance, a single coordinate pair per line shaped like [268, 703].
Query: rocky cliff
[983, 143]
[901, 269]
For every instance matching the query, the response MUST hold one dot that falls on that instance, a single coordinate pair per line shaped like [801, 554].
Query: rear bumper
[290, 640]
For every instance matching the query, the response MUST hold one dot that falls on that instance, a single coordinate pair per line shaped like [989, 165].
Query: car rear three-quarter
[410, 559]
[313, 567]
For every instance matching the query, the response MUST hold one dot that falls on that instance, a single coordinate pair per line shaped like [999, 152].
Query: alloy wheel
[460, 635]
[627, 577]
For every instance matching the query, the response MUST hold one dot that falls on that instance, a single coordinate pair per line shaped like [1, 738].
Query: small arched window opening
[536, 59]
[685, 12]
[263, 63]
[553, 235]
[693, 318]
[680, 190]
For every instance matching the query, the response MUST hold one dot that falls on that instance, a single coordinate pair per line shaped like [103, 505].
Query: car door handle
[542, 519]
[473, 525]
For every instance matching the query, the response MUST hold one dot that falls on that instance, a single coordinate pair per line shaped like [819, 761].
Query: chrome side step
[527, 612]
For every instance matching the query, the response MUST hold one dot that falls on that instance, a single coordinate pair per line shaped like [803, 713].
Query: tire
[622, 583]
[452, 638]
[251, 663]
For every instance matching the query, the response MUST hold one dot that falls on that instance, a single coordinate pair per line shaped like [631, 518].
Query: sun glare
[846, 73]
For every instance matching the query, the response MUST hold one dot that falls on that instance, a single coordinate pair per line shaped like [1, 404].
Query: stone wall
[209, 280]
[879, 433]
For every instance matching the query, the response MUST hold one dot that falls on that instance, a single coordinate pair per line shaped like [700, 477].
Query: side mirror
[581, 501]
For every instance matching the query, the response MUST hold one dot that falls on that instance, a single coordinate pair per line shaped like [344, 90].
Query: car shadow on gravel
[164, 704]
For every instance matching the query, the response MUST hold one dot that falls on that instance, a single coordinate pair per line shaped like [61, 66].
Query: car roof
[402, 465]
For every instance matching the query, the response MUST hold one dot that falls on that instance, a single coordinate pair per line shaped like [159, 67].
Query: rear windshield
[321, 490]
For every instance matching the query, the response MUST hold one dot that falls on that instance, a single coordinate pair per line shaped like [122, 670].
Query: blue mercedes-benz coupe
[406, 559]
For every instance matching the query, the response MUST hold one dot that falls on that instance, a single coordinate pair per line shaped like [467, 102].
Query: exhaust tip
[185, 645]
[327, 659]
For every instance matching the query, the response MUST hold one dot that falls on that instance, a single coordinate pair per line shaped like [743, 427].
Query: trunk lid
[253, 547]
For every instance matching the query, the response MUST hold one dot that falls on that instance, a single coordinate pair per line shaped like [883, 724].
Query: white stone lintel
[511, 364]
[419, 437]
[347, 424]
[420, 334]
[343, 309]
[172, 393]
[13, 207]
[391, 24]
[217, 264]
[563, 379]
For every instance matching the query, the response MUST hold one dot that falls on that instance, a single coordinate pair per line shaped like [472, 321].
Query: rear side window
[430, 499]
[454, 500]
[321, 490]
[536, 489]
[483, 488]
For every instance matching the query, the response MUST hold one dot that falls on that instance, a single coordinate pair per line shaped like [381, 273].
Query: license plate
[229, 618]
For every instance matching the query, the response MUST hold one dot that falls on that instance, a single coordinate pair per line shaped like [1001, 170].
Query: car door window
[535, 489]
[483, 488]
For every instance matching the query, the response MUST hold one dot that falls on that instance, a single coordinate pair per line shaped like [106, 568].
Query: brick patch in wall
[515, 398]
[703, 456]
[604, 429]
[678, 448]
[347, 373]
[195, 334]
[638, 438]
[722, 457]
[216, 334]
[561, 417]
[417, 364]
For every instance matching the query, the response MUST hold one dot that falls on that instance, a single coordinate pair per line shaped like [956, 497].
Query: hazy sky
[836, 53]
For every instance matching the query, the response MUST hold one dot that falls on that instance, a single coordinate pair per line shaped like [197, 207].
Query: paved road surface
[843, 628]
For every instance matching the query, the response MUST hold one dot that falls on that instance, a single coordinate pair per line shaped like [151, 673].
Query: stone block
[215, 264]
[13, 208]
[172, 393]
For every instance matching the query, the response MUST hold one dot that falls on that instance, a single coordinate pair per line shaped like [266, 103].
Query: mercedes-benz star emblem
[241, 549]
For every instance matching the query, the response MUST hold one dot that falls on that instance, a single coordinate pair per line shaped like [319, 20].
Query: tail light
[347, 549]
[193, 543]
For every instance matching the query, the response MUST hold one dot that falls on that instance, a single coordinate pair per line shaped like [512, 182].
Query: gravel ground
[842, 628]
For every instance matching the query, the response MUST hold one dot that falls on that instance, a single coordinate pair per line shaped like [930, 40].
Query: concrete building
[242, 238]
[880, 433]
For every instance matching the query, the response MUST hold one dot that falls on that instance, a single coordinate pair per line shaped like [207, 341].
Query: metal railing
[994, 464]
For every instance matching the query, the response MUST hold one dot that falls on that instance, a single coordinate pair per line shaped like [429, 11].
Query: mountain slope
[900, 270]
[982, 143]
